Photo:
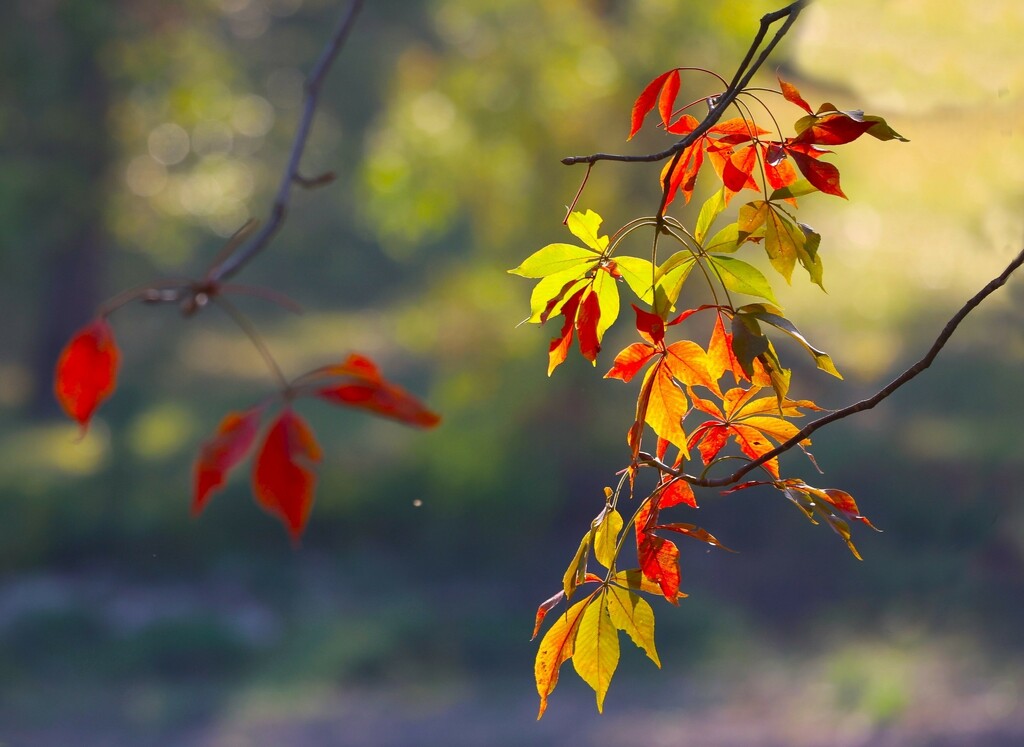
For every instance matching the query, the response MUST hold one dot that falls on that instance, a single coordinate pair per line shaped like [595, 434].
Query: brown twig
[866, 404]
[746, 70]
[237, 260]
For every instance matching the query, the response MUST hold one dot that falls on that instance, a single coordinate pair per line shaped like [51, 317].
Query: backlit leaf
[740, 277]
[596, 651]
[606, 538]
[555, 648]
[633, 615]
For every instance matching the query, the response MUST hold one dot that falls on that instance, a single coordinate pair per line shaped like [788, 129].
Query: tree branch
[866, 404]
[314, 82]
[741, 78]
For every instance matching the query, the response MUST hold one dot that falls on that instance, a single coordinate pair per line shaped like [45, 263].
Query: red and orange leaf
[630, 360]
[667, 99]
[648, 97]
[282, 478]
[684, 175]
[86, 372]
[370, 391]
[845, 503]
[709, 438]
[753, 443]
[659, 561]
[675, 492]
[556, 647]
[559, 348]
[587, 319]
[221, 453]
[791, 94]
[692, 530]
[721, 357]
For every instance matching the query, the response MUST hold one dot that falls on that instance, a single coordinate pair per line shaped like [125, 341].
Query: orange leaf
[630, 361]
[86, 371]
[659, 561]
[555, 649]
[282, 478]
[666, 406]
[219, 454]
[675, 492]
[791, 94]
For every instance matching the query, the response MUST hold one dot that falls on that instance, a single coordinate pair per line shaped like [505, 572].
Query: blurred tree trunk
[63, 155]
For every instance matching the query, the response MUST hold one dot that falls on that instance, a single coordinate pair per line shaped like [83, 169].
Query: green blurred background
[136, 136]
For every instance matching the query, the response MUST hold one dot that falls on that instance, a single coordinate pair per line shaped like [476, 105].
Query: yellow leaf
[596, 650]
[631, 613]
[585, 227]
[605, 538]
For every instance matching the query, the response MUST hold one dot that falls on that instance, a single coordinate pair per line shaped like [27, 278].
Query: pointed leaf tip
[283, 479]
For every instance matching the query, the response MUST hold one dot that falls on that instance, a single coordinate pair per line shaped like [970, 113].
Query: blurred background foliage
[137, 136]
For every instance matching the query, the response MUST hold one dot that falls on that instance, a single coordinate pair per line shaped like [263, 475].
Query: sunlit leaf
[606, 538]
[596, 651]
[633, 615]
[555, 648]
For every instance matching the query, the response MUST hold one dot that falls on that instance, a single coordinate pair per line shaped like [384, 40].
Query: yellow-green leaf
[726, 240]
[555, 258]
[708, 212]
[608, 300]
[740, 277]
[596, 650]
[606, 537]
[638, 274]
[585, 227]
[752, 216]
[631, 613]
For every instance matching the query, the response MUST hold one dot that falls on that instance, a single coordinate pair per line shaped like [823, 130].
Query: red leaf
[220, 454]
[667, 99]
[559, 348]
[659, 561]
[282, 478]
[650, 326]
[821, 174]
[647, 98]
[676, 492]
[586, 325]
[791, 94]
[833, 129]
[86, 371]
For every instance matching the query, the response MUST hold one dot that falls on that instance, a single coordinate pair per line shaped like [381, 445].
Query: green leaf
[726, 240]
[807, 253]
[821, 358]
[638, 274]
[556, 258]
[596, 651]
[585, 227]
[632, 614]
[708, 212]
[798, 188]
[606, 537]
[780, 242]
[748, 342]
[671, 276]
[882, 130]
[740, 277]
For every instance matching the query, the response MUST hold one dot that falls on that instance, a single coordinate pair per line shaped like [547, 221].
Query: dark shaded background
[136, 136]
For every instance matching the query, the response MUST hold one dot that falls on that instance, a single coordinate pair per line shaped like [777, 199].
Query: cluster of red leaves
[736, 148]
[283, 480]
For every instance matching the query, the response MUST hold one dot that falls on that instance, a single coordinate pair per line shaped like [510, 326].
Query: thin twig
[741, 78]
[866, 404]
[232, 264]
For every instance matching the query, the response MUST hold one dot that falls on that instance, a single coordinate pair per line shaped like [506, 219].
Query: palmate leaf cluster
[685, 398]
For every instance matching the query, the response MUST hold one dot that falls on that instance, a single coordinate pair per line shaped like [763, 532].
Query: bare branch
[236, 261]
[866, 404]
[741, 78]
